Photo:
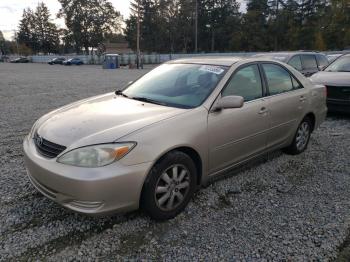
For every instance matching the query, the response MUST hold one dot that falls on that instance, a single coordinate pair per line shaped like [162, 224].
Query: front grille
[338, 92]
[47, 148]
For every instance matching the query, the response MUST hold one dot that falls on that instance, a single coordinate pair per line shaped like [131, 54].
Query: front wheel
[169, 186]
[301, 138]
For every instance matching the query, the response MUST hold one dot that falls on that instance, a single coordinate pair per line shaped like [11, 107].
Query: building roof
[118, 48]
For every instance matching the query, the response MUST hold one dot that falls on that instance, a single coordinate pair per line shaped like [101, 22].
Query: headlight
[97, 155]
[32, 130]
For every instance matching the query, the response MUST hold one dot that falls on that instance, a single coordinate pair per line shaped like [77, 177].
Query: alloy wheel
[172, 187]
[302, 136]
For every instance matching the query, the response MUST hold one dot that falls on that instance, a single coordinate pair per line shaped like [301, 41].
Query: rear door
[309, 64]
[238, 133]
[286, 103]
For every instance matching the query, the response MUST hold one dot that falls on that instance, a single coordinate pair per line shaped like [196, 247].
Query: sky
[11, 12]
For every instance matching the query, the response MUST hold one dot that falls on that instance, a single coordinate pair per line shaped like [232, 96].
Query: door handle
[302, 98]
[263, 110]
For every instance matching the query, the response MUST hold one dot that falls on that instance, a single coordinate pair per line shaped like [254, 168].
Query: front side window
[296, 62]
[278, 79]
[322, 60]
[246, 82]
[177, 85]
[309, 61]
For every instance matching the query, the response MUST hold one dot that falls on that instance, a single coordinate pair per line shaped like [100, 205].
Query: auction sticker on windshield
[212, 69]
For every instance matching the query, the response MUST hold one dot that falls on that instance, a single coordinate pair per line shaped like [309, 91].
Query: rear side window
[296, 62]
[246, 82]
[322, 61]
[309, 61]
[278, 79]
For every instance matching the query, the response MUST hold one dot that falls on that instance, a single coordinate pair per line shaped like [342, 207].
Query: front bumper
[338, 105]
[104, 190]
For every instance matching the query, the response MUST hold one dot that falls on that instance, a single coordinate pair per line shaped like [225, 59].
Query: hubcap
[172, 187]
[302, 136]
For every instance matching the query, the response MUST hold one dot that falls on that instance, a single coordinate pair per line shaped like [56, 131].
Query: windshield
[177, 85]
[342, 64]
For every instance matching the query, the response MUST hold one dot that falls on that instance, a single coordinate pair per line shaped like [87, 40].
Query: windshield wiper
[120, 93]
[148, 100]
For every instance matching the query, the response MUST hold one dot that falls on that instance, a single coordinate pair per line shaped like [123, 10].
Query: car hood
[101, 119]
[331, 78]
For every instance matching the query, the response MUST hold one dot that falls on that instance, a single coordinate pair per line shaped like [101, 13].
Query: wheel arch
[192, 153]
[312, 117]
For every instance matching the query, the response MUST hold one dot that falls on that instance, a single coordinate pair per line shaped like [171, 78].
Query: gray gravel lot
[279, 208]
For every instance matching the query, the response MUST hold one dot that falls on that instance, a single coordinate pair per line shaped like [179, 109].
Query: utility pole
[196, 29]
[16, 41]
[138, 36]
[276, 26]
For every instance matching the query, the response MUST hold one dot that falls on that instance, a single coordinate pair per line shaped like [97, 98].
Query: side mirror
[228, 102]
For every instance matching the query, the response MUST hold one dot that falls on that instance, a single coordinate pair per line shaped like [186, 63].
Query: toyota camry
[170, 132]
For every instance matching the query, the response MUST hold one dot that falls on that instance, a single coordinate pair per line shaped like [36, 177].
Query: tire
[301, 138]
[174, 176]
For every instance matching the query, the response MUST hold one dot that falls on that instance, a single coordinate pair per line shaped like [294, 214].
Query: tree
[88, 21]
[220, 23]
[2, 44]
[6, 47]
[337, 24]
[255, 27]
[37, 32]
[27, 30]
[168, 25]
[319, 42]
[46, 32]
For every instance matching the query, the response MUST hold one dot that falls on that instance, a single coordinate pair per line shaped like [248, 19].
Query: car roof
[208, 60]
[286, 55]
[341, 55]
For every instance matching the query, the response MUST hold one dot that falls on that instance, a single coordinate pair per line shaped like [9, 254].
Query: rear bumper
[320, 116]
[338, 105]
[103, 190]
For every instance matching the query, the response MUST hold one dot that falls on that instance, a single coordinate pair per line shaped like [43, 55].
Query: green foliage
[168, 25]
[88, 21]
[6, 47]
[37, 32]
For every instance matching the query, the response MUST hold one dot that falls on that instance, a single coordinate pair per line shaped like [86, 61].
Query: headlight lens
[97, 155]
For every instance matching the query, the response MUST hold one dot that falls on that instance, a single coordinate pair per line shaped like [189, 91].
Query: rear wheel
[301, 138]
[169, 186]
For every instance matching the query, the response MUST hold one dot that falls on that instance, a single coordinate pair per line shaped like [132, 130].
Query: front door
[238, 133]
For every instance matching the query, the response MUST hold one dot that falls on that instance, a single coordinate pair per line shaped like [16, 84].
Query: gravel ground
[279, 208]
